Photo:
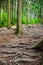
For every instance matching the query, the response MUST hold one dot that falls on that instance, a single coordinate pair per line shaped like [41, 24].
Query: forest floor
[16, 48]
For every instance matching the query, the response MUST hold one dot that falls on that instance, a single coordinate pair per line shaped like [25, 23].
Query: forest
[32, 11]
[21, 32]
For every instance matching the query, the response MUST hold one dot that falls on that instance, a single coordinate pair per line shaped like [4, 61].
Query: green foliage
[23, 20]
[31, 20]
[34, 9]
[14, 20]
[3, 19]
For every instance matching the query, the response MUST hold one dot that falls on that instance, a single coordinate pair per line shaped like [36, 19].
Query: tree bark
[9, 17]
[42, 13]
[19, 16]
[27, 11]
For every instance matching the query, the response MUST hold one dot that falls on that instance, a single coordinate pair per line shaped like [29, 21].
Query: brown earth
[21, 49]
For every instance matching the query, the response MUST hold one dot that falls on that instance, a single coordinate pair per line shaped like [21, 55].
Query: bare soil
[20, 49]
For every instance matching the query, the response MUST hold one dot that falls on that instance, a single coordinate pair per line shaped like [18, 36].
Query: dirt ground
[18, 49]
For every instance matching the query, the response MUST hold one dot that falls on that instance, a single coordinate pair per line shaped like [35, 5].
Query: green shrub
[14, 19]
[23, 20]
[34, 21]
[3, 19]
[31, 20]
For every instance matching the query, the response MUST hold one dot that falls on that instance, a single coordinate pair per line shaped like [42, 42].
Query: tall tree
[9, 17]
[19, 16]
[42, 12]
[4, 4]
[39, 13]
[27, 11]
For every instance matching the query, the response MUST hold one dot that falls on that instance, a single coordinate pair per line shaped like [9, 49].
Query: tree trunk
[5, 5]
[19, 16]
[9, 17]
[39, 13]
[27, 12]
[42, 13]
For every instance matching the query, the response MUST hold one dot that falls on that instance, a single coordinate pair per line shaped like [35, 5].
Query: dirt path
[17, 49]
